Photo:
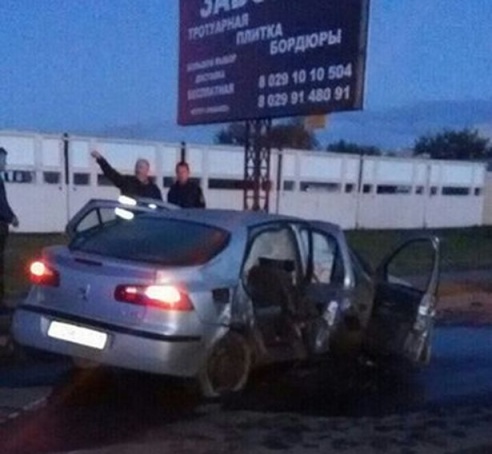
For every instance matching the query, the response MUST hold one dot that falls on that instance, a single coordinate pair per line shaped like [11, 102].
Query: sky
[111, 67]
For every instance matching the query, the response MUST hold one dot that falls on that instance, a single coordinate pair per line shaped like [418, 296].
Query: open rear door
[405, 301]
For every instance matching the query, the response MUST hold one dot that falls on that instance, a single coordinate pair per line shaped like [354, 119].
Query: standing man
[138, 185]
[7, 217]
[184, 192]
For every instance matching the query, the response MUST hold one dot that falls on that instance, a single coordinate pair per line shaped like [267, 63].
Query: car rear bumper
[128, 348]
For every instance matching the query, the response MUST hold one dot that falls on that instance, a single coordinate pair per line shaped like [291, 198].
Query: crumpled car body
[212, 295]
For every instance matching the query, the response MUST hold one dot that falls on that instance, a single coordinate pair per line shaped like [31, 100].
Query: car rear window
[156, 240]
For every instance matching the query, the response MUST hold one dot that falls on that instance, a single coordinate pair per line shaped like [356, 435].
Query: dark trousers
[3, 242]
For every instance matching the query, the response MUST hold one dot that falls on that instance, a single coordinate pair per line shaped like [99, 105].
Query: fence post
[66, 166]
[280, 160]
[358, 194]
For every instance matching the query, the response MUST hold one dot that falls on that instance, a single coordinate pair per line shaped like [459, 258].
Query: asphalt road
[100, 408]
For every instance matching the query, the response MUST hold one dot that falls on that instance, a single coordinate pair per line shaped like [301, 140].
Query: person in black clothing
[138, 185]
[7, 217]
[183, 192]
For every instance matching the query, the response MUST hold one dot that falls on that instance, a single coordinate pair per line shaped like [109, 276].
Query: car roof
[227, 219]
[233, 219]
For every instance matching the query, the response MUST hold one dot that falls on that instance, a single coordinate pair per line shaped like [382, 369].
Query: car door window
[302, 233]
[274, 245]
[411, 266]
[327, 261]
[271, 271]
[96, 218]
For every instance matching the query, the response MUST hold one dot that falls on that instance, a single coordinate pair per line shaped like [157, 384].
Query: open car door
[405, 301]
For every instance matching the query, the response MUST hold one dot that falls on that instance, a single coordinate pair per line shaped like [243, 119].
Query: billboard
[251, 59]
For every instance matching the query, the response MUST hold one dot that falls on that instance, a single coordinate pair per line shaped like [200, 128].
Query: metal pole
[66, 164]
[183, 152]
[280, 157]
[257, 153]
[360, 190]
[66, 158]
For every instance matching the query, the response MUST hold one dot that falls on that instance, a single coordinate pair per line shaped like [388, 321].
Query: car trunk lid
[86, 295]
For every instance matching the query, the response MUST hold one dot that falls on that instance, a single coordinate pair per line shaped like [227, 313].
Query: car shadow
[331, 390]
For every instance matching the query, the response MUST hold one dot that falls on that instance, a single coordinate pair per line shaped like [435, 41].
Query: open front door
[405, 301]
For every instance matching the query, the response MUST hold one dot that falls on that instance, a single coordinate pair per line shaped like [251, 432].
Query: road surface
[444, 408]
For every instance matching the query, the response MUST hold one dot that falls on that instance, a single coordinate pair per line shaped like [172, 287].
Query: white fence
[47, 184]
[487, 209]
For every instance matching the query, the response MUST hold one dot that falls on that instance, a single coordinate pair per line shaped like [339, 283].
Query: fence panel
[369, 192]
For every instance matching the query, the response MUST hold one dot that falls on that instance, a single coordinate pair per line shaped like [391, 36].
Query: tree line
[464, 144]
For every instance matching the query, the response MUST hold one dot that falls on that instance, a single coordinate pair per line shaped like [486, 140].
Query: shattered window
[275, 244]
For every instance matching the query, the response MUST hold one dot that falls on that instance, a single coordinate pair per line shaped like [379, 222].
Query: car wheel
[227, 367]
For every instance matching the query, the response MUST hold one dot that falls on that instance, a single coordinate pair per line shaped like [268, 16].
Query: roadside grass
[462, 249]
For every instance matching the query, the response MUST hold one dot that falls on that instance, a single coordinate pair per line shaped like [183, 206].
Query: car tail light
[42, 274]
[166, 297]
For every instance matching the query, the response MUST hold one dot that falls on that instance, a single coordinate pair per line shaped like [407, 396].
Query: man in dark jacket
[7, 217]
[184, 192]
[138, 185]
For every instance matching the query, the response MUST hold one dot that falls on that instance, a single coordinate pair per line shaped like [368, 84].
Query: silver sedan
[211, 295]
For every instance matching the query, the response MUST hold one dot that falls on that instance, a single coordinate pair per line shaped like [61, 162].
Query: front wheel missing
[227, 367]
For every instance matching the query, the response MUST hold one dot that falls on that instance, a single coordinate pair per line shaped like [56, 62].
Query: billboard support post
[255, 61]
[182, 152]
[257, 152]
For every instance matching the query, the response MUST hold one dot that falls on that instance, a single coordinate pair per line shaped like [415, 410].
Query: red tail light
[166, 297]
[42, 274]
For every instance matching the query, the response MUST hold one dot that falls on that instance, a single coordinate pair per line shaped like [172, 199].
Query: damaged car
[212, 295]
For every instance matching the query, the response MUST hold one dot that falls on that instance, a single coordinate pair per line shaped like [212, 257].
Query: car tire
[227, 367]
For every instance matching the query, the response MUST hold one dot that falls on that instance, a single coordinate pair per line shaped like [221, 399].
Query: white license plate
[78, 335]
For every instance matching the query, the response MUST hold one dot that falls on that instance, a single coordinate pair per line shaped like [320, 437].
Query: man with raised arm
[138, 185]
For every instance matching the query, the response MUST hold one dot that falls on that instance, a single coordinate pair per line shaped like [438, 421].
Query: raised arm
[113, 175]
